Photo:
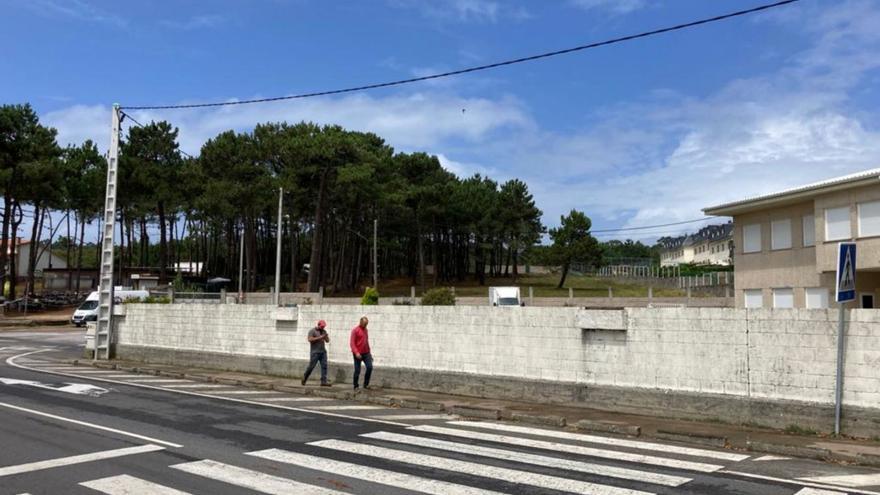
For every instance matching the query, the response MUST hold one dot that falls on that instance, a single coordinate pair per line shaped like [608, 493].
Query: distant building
[45, 258]
[786, 242]
[711, 245]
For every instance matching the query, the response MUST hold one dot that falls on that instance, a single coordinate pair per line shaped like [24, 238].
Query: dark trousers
[315, 359]
[368, 362]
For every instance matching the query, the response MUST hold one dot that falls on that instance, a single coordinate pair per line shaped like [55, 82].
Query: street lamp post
[278, 250]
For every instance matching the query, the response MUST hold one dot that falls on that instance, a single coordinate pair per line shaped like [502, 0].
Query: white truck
[505, 296]
[88, 310]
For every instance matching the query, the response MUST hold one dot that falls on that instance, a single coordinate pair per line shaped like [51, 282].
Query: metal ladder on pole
[104, 328]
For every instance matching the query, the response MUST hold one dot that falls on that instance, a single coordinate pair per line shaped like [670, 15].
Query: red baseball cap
[322, 324]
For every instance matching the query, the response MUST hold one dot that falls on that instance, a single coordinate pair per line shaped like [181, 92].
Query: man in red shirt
[360, 349]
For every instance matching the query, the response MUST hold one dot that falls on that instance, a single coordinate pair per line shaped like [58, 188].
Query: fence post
[531, 296]
[222, 296]
[570, 293]
[727, 291]
[610, 293]
[171, 294]
[452, 289]
[321, 295]
[650, 294]
[412, 294]
[688, 296]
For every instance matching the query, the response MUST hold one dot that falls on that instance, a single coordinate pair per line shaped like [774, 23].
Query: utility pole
[241, 266]
[375, 254]
[278, 250]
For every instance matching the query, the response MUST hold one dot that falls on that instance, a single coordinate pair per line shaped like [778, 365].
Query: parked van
[88, 310]
[505, 296]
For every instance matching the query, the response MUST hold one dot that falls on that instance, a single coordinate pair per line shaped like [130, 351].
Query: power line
[529, 58]
[129, 117]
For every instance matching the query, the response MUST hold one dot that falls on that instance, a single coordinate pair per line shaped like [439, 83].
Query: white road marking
[246, 392]
[291, 399]
[159, 380]
[253, 480]
[90, 425]
[617, 442]
[572, 449]
[11, 361]
[71, 388]
[796, 482]
[475, 469]
[344, 408]
[129, 485]
[80, 371]
[77, 459]
[368, 473]
[771, 458]
[852, 480]
[813, 491]
[538, 460]
[425, 417]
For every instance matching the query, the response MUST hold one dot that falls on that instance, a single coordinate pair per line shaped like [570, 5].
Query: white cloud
[413, 122]
[613, 6]
[205, 21]
[76, 9]
[465, 10]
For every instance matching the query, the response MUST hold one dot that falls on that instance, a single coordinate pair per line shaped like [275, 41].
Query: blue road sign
[846, 272]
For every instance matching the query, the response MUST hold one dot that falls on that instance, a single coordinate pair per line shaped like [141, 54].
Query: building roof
[795, 194]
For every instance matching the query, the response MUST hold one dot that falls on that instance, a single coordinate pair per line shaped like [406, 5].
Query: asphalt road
[72, 430]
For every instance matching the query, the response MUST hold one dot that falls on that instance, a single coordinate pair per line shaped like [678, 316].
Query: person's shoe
[356, 387]
[325, 384]
[303, 382]
[368, 387]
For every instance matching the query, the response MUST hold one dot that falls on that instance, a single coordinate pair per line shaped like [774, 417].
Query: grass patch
[794, 429]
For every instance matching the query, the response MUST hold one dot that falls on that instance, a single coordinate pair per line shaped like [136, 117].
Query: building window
[869, 219]
[752, 238]
[817, 297]
[783, 298]
[837, 224]
[809, 230]
[754, 298]
[780, 234]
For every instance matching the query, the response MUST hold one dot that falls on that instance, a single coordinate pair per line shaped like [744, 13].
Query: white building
[45, 259]
[711, 245]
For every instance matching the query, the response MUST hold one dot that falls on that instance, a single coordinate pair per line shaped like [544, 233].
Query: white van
[505, 296]
[88, 310]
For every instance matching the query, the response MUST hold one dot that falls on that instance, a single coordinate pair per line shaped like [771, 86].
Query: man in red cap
[317, 337]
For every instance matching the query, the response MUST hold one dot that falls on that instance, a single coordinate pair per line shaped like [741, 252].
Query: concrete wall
[775, 367]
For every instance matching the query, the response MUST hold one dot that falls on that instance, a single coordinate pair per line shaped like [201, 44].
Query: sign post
[845, 292]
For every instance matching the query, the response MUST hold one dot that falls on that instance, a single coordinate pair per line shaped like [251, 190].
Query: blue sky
[636, 134]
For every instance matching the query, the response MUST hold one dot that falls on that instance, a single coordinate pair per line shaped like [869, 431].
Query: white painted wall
[769, 354]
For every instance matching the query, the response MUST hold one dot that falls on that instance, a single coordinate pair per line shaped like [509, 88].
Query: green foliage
[572, 242]
[370, 297]
[439, 296]
[149, 300]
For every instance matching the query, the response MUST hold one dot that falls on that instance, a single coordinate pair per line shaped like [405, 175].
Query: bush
[441, 296]
[401, 302]
[149, 300]
[371, 297]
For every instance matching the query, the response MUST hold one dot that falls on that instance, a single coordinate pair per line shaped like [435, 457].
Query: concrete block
[790, 450]
[538, 419]
[608, 427]
[691, 437]
[598, 319]
[421, 404]
[468, 411]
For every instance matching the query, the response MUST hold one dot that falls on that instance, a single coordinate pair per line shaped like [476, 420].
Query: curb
[696, 438]
[792, 450]
[475, 412]
[607, 427]
[420, 404]
[537, 419]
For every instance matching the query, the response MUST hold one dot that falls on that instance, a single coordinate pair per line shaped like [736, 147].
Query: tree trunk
[294, 247]
[36, 231]
[163, 246]
[565, 268]
[79, 253]
[4, 239]
[68, 260]
[16, 211]
[421, 249]
[316, 262]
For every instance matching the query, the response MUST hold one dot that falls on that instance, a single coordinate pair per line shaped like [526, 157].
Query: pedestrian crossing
[415, 460]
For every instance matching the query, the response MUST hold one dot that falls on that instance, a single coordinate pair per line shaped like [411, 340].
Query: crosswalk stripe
[372, 474]
[245, 392]
[77, 459]
[571, 449]
[399, 417]
[344, 408]
[538, 460]
[852, 480]
[129, 485]
[476, 469]
[617, 442]
[291, 399]
[253, 480]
